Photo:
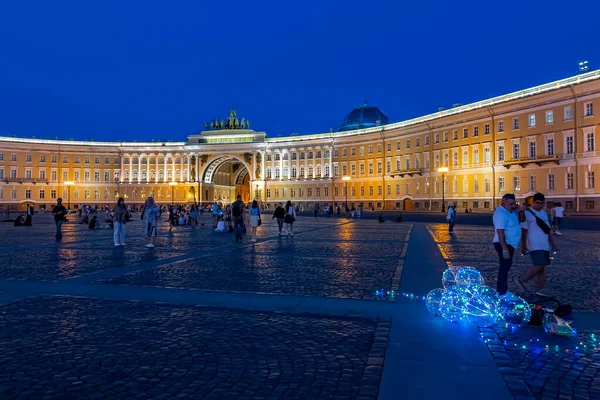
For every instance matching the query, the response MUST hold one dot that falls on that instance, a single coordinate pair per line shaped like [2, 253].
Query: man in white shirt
[558, 213]
[538, 240]
[507, 235]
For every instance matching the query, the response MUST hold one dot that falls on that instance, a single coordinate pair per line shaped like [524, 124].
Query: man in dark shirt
[59, 211]
[237, 213]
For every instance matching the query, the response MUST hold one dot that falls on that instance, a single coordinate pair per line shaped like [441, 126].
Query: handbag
[259, 221]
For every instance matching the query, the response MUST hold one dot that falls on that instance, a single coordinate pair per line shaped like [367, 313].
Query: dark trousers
[238, 226]
[58, 227]
[280, 224]
[451, 225]
[505, 265]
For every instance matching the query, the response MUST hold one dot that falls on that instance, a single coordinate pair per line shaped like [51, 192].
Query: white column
[263, 165]
[252, 177]
[121, 169]
[197, 167]
[189, 172]
[322, 162]
[156, 169]
[130, 168]
[181, 172]
[173, 177]
[140, 168]
[165, 169]
[281, 165]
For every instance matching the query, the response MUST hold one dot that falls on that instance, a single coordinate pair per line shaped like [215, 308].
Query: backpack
[236, 210]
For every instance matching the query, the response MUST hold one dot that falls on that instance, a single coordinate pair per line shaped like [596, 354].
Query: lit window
[549, 117]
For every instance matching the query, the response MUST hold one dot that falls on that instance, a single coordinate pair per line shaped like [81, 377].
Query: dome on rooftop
[365, 116]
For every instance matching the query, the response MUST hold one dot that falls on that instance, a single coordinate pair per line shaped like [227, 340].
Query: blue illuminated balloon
[433, 301]
[513, 309]
[468, 277]
[452, 304]
[481, 306]
[448, 279]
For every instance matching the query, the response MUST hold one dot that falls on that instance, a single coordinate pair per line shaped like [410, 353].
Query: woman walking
[289, 218]
[119, 220]
[254, 218]
[279, 213]
[150, 216]
[193, 216]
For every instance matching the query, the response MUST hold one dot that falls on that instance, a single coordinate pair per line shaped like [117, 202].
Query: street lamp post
[443, 170]
[172, 184]
[346, 179]
[68, 184]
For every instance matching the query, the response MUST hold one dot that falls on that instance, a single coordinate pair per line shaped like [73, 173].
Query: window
[1, 156]
[569, 145]
[516, 150]
[269, 157]
[500, 152]
[352, 169]
[42, 194]
[531, 120]
[589, 204]
[319, 154]
[27, 174]
[13, 173]
[532, 183]
[455, 159]
[500, 126]
[475, 131]
[476, 156]
[42, 174]
[326, 190]
[295, 171]
[276, 191]
[268, 173]
[549, 117]
[285, 172]
[379, 148]
[65, 175]
[589, 179]
[487, 184]
[268, 192]
[379, 167]
[455, 185]
[87, 160]
[436, 138]
[353, 151]
[465, 133]
[65, 159]
[344, 170]
[568, 113]
[344, 153]
[397, 189]
[408, 143]
[370, 190]
[570, 181]
[417, 142]
[27, 194]
[465, 157]
[455, 135]
[532, 149]
[116, 161]
[486, 155]
[97, 175]
[516, 123]
[397, 145]
[309, 192]
[361, 150]
[486, 129]
[295, 155]
[53, 175]
[362, 169]
[388, 166]
[550, 147]
[445, 136]
[501, 184]
[13, 194]
[362, 190]
[97, 160]
[550, 182]
[278, 156]
[53, 194]
[407, 162]
[76, 159]
[42, 158]
[106, 176]
[590, 142]
[13, 157]
[426, 140]
[86, 175]
[302, 155]
[465, 185]
[588, 109]
[446, 162]
[389, 147]
[107, 160]
[516, 183]
[370, 149]
[28, 158]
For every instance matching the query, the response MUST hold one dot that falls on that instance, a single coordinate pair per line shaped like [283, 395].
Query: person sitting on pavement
[221, 226]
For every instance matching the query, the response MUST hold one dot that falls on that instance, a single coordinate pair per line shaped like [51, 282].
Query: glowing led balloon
[448, 279]
[433, 301]
[482, 306]
[514, 309]
[467, 276]
[452, 304]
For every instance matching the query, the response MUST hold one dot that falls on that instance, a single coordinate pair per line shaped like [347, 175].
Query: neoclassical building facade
[538, 139]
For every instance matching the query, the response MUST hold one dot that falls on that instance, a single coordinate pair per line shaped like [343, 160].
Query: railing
[532, 160]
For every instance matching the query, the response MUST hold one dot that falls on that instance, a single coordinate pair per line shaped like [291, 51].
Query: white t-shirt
[558, 212]
[509, 221]
[536, 238]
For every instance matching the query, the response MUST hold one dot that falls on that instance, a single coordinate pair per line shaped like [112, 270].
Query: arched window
[294, 171]
[327, 170]
[302, 174]
[135, 174]
[286, 172]
[310, 171]
[126, 160]
[177, 174]
[268, 173]
[161, 175]
[144, 175]
[126, 174]
[169, 174]
[152, 174]
[318, 174]
[277, 174]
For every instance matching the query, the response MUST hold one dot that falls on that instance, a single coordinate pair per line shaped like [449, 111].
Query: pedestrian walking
[28, 219]
[255, 220]
[289, 218]
[507, 235]
[237, 213]
[193, 216]
[119, 220]
[537, 240]
[451, 217]
[59, 211]
[316, 209]
[558, 213]
[150, 217]
[279, 213]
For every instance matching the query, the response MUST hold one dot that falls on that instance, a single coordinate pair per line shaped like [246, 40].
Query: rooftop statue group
[231, 123]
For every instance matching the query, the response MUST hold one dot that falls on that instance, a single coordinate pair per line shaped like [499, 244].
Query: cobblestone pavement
[103, 349]
[573, 277]
[546, 367]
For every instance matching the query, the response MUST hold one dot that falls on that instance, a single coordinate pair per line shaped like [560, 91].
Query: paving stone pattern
[101, 349]
[573, 278]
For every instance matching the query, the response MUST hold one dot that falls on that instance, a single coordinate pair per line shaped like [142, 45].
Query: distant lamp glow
[346, 178]
[583, 66]
[443, 170]
[68, 184]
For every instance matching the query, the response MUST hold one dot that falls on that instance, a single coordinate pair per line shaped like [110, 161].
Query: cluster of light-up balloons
[465, 296]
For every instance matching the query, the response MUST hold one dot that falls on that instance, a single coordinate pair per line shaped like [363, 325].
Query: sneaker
[520, 284]
[117, 245]
[543, 294]
[150, 245]
[558, 233]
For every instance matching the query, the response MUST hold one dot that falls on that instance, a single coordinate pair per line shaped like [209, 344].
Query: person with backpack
[537, 239]
[237, 213]
[279, 213]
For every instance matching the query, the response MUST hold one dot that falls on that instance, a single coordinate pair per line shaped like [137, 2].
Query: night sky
[142, 70]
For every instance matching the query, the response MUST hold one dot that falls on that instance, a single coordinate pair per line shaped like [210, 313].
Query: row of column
[165, 168]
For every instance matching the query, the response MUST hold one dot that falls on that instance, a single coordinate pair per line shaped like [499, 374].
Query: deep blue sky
[140, 70]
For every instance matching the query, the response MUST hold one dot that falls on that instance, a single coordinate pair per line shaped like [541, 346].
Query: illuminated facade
[539, 139]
